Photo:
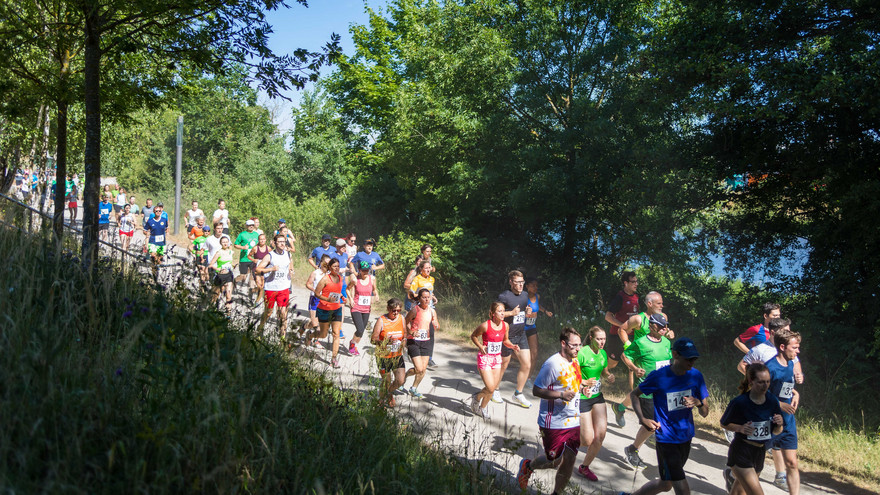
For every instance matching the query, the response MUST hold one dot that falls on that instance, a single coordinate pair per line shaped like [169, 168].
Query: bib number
[662, 364]
[159, 238]
[675, 400]
[762, 431]
[594, 389]
[530, 321]
[422, 334]
[282, 274]
[334, 297]
[493, 348]
[393, 346]
[786, 391]
[519, 318]
[363, 300]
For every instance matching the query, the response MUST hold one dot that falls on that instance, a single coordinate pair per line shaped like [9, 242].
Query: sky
[310, 28]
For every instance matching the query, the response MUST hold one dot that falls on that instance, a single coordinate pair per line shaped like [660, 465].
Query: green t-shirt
[643, 328]
[199, 243]
[649, 355]
[591, 365]
[248, 239]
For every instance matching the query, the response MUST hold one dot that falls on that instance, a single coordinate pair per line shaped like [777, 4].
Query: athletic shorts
[223, 278]
[521, 340]
[613, 346]
[327, 315]
[387, 365]
[787, 440]
[103, 226]
[127, 234]
[279, 297]
[556, 441]
[417, 348]
[313, 303]
[117, 208]
[72, 204]
[531, 331]
[156, 249]
[744, 455]
[647, 408]
[671, 458]
[202, 260]
[226, 231]
[587, 404]
[244, 267]
[488, 361]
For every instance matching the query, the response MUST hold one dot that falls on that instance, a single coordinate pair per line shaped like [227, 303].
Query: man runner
[104, 210]
[276, 270]
[622, 307]
[516, 310]
[156, 228]
[369, 256]
[246, 241]
[315, 256]
[782, 380]
[757, 334]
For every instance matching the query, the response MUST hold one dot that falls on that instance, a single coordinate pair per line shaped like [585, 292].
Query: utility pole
[178, 173]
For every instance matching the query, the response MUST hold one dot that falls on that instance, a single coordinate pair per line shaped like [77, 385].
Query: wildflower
[126, 314]
[119, 371]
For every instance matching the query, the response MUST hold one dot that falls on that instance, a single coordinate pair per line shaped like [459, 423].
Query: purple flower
[119, 371]
[126, 314]
[144, 309]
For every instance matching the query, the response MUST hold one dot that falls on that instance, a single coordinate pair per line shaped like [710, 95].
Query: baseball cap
[325, 237]
[658, 319]
[158, 205]
[686, 348]
[340, 242]
[205, 228]
[364, 265]
[281, 220]
[369, 241]
[250, 222]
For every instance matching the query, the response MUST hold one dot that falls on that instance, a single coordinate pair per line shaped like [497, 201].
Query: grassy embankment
[111, 387]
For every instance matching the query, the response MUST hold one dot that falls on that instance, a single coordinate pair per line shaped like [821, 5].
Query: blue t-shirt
[104, 210]
[741, 410]
[530, 320]
[676, 420]
[319, 251]
[156, 228]
[373, 258]
[782, 386]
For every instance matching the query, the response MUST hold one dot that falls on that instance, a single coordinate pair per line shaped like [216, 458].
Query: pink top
[362, 295]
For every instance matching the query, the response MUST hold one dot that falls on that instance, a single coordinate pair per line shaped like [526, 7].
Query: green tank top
[591, 365]
[643, 328]
[649, 355]
[225, 259]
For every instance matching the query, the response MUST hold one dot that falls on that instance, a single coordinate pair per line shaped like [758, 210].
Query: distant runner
[531, 327]
[759, 333]
[419, 339]
[329, 312]
[489, 337]
[362, 291]
[275, 268]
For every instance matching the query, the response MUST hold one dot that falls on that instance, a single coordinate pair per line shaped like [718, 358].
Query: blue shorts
[328, 315]
[787, 440]
[313, 303]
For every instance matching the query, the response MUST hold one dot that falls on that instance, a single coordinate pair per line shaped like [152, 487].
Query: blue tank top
[530, 320]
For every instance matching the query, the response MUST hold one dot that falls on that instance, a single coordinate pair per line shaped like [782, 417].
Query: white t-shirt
[558, 374]
[280, 278]
[192, 215]
[223, 215]
[120, 199]
[213, 245]
[761, 353]
[319, 274]
[351, 250]
[126, 222]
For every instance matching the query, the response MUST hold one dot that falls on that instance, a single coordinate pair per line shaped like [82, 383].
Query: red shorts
[556, 441]
[72, 204]
[279, 297]
[129, 234]
[488, 361]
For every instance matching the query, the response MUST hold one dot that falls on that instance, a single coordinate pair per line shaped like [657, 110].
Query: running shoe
[484, 412]
[353, 350]
[431, 364]
[619, 412]
[415, 393]
[496, 397]
[475, 405]
[524, 473]
[341, 334]
[587, 473]
[632, 457]
[402, 389]
[728, 479]
[521, 400]
[729, 435]
[334, 362]
[781, 482]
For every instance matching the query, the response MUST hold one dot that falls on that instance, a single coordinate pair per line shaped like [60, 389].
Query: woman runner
[329, 312]
[222, 263]
[361, 292]
[494, 335]
[126, 222]
[311, 283]
[388, 334]
[420, 340]
[593, 363]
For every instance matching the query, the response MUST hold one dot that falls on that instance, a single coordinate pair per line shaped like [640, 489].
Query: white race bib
[530, 321]
[280, 274]
[786, 391]
[334, 297]
[519, 318]
[661, 364]
[594, 389]
[159, 238]
[675, 400]
[762, 431]
[393, 346]
[422, 334]
[363, 300]
[493, 347]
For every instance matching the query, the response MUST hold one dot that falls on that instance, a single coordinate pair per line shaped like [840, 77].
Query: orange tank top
[393, 330]
[420, 326]
[333, 290]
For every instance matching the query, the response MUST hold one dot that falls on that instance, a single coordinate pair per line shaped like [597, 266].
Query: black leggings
[360, 322]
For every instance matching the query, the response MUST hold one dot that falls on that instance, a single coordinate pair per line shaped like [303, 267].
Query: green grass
[109, 386]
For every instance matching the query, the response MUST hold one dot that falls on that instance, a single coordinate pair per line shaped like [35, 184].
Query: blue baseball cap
[686, 348]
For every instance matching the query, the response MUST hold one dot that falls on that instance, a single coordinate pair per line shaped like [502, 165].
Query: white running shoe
[496, 397]
[521, 400]
[475, 405]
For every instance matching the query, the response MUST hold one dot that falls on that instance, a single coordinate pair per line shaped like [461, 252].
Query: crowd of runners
[638, 347]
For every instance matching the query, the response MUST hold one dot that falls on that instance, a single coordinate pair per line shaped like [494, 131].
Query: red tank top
[331, 288]
[493, 338]
[260, 254]
[419, 327]
[362, 295]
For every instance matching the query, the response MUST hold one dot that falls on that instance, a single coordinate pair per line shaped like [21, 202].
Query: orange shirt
[394, 332]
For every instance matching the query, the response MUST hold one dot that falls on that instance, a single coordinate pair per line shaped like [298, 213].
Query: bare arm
[377, 330]
[264, 263]
[739, 345]
[609, 317]
[477, 333]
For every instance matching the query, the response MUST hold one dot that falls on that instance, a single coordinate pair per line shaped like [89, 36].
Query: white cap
[340, 242]
[250, 222]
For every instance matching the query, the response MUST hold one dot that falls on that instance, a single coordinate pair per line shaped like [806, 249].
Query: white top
[319, 274]
[213, 245]
[126, 222]
[351, 250]
[278, 279]
[223, 215]
[192, 215]
[762, 353]
[558, 374]
[120, 199]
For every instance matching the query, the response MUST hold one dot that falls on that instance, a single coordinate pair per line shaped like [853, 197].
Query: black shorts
[244, 267]
[387, 365]
[587, 404]
[521, 340]
[226, 231]
[671, 458]
[202, 260]
[531, 331]
[223, 278]
[744, 455]
[417, 348]
[103, 226]
[647, 408]
[328, 315]
[613, 346]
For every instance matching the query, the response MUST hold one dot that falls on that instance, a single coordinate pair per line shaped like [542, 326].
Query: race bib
[762, 431]
[363, 300]
[786, 391]
[159, 238]
[661, 364]
[675, 400]
[334, 297]
[530, 321]
[493, 347]
[519, 318]
[252, 243]
[594, 389]
[393, 346]
[279, 274]
[422, 334]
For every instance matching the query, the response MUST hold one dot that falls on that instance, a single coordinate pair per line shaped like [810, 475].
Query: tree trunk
[92, 154]
[60, 172]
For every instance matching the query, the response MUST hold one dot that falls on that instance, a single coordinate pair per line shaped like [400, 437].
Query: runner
[593, 364]
[329, 312]
[420, 338]
[257, 228]
[221, 262]
[126, 222]
[362, 291]
[275, 267]
[72, 203]
[312, 282]
[192, 214]
[635, 328]
[644, 356]
[213, 245]
[531, 328]
[350, 247]
[517, 309]
[370, 256]
[246, 241]
[558, 386]
[135, 209]
[387, 336]
[341, 255]
[754, 416]
[120, 201]
[757, 334]
[423, 280]
[622, 307]
[198, 234]
[156, 229]
[104, 210]
[285, 231]
[260, 251]
[782, 381]
[677, 389]
[315, 256]
[494, 335]
[147, 211]
[221, 214]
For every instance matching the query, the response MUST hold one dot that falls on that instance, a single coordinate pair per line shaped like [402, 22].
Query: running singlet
[781, 380]
[156, 228]
[224, 260]
[362, 295]
[126, 223]
[259, 254]
[279, 279]
[742, 410]
[530, 320]
[643, 328]
[559, 374]
[669, 390]
[104, 210]
[249, 240]
[420, 326]
[393, 332]
[333, 291]
[623, 306]
[493, 338]
[650, 356]
[591, 365]
[317, 275]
